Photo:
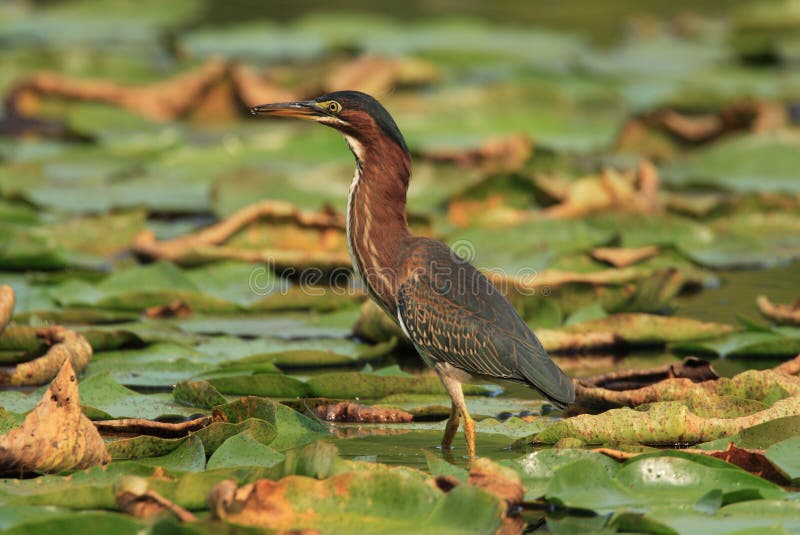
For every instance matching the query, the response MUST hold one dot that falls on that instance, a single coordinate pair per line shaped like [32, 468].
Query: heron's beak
[304, 109]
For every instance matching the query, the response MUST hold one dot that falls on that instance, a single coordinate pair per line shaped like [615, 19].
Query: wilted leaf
[662, 423]
[135, 499]
[779, 313]
[623, 257]
[338, 506]
[63, 345]
[347, 411]
[55, 436]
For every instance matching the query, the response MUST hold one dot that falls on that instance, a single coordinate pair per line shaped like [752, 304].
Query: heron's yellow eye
[334, 107]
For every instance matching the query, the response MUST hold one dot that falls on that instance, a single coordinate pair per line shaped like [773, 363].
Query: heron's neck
[377, 229]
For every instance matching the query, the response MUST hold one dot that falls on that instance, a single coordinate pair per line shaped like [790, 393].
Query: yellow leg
[469, 434]
[453, 387]
[450, 430]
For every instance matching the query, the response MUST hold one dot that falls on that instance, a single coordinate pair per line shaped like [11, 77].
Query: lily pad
[244, 450]
[780, 341]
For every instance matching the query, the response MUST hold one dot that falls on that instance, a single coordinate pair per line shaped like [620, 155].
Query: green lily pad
[197, 394]
[783, 455]
[538, 468]
[274, 385]
[244, 450]
[188, 457]
[760, 436]
[103, 393]
[767, 517]
[763, 162]
[782, 341]
[217, 433]
[68, 522]
[650, 480]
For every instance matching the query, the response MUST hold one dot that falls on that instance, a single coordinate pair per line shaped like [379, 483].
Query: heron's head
[362, 119]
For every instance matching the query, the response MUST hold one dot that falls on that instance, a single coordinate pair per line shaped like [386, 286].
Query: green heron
[457, 320]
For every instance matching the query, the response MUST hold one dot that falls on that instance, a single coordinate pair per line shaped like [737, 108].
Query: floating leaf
[243, 449]
[779, 342]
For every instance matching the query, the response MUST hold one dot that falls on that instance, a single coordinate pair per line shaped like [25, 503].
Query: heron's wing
[456, 315]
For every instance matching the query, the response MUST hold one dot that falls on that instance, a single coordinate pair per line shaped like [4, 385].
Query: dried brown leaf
[65, 345]
[692, 368]
[215, 84]
[371, 74]
[6, 305]
[634, 191]
[56, 436]
[176, 309]
[140, 426]
[347, 411]
[501, 481]
[790, 367]
[136, 500]
[494, 154]
[208, 243]
[624, 256]
[779, 313]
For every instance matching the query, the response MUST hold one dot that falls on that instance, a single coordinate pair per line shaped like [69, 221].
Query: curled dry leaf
[501, 481]
[65, 345]
[672, 422]
[779, 313]
[173, 98]
[378, 75]
[208, 244]
[140, 426]
[56, 436]
[628, 329]
[495, 154]
[6, 305]
[664, 423]
[134, 498]
[633, 191]
[371, 74]
[790, 367]
[702, 128]
[176, 309]
[347, 411]
[623, 256]
[692, 368]
[550, 278]
[752, 384]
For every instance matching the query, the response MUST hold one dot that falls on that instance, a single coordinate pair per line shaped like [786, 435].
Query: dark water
[736, 294]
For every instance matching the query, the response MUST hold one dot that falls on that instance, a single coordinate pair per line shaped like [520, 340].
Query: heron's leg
[453, 387]
[450, 430]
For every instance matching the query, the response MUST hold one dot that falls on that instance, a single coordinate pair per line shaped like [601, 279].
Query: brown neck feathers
[377, 230]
